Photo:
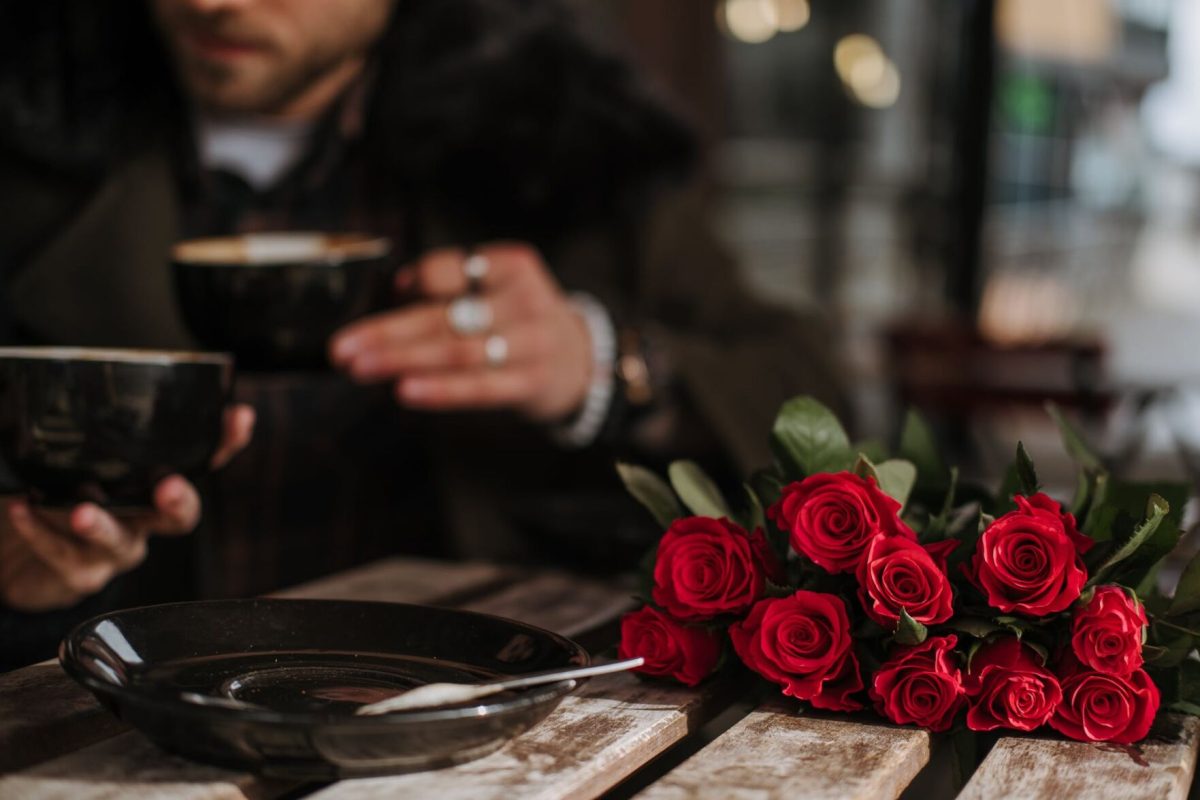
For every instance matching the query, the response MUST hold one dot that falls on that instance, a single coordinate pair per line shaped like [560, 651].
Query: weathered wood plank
[598, 736]
[559, 602]
[44, 714]
[130, 766]
[403, 580]
[1159, 768]
[775, 752]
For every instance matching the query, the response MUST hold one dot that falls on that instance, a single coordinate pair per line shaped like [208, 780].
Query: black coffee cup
[274, 299]
[99, 425]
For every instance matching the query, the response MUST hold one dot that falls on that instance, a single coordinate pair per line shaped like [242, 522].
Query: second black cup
[274, 299]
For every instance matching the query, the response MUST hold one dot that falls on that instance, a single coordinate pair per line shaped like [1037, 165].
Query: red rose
[686, 653]
[705, 567]
[1028, 561]
[920, 685]
[803, 643]
[832, 518]
[1101, 707]
[1009, 688]
[897, 573]
[1106, 634]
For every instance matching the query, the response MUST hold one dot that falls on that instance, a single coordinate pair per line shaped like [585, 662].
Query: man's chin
[232, 96]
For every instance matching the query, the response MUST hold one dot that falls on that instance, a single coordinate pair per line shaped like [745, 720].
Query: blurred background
[996, 201]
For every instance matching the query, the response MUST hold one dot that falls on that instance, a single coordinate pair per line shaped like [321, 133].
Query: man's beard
[220, 87]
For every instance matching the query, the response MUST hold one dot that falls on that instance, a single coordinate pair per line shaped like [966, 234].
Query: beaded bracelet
[587, 424]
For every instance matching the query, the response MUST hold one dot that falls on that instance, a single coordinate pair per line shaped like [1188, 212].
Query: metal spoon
[220, 702]
[444, 694]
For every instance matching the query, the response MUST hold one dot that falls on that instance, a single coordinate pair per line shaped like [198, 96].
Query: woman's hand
[54, 559]
[534, 356]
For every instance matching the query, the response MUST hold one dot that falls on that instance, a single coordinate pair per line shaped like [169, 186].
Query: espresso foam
[267, 249]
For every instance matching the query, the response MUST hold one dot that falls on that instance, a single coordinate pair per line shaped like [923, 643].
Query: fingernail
[414, 389]
[85, 517]
[345, 349]
[363, 366]
[172, 493]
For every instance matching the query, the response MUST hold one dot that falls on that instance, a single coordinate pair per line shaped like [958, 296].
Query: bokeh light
[792, 15]
[868, 74]
[750, 21]
[756, 21]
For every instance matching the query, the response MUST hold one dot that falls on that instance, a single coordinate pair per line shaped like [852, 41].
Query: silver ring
[475, 269]
[495, 349]
[469, 316]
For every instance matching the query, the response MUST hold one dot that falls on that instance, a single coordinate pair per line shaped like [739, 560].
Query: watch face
[633, 371]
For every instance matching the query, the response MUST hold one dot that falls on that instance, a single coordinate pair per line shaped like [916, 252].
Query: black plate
[311, 663]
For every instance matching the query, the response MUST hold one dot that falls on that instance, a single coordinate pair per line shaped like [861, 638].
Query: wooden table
[617, 735]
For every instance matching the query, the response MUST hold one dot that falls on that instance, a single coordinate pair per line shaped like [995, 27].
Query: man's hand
[546, 366]
[54, 559]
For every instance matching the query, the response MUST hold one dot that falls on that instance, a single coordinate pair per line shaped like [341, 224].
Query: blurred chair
[963, 380]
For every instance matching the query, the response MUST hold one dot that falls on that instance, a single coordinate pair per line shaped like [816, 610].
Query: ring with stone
[469, 316]
[495, 349]
[475, 269]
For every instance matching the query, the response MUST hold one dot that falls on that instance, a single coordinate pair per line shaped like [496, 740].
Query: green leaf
[1014, 625]
[1156, 511]
[1153, 599]
[939, 525]
[873, 449]
[969, 538]
[863, 468]
[1027, 480]
[1184, 707]
[1121, 531]
[896, 479]
[807, 438]
[1074, 442]
[1101, 523]
[917, 444]
[973, 626]
[652, 492]
[909, 631]
[1083, 493]
[1188, 624]
[1170, 653]
[1189, 680]
[697, 490]
[768, 486]
[1152, 653]
[1141, 569]
[974, 648]
[1131, 496]
[754, 517]
[1101, 514]
[1011, 485]
[1187, 591]
[775, 590]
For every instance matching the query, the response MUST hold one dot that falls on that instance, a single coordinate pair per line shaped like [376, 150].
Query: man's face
[262, 55]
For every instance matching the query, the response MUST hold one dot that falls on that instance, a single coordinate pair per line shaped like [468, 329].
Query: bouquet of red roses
[852, 580]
